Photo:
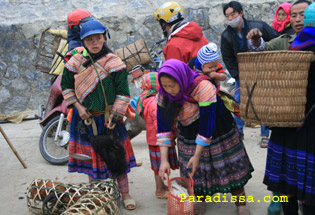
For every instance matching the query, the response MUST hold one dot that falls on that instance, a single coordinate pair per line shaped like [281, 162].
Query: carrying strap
[107, 108]
[307, 115]
[249, 101]
[91, 121]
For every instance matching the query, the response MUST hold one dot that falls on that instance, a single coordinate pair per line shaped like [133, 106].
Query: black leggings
[292, 207]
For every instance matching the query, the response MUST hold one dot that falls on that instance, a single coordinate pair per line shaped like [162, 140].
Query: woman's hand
[111, 125]
[83, 111]
[164, 168]
[194, 161]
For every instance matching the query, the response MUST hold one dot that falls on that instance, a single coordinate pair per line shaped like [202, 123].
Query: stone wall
[23, 87]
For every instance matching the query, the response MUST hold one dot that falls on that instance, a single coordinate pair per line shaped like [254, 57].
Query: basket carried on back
[45, 196]
[134, 54]
[273, 87]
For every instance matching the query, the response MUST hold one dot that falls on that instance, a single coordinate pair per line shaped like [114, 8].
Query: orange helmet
[75, 17]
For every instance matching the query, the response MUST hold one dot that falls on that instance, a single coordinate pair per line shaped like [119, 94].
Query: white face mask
[234, 22]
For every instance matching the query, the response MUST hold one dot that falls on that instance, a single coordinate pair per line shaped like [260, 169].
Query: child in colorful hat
[207, 62]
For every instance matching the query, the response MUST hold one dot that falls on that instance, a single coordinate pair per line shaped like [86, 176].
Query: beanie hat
[206, 54]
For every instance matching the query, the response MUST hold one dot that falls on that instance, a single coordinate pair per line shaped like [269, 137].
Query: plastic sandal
[129, 202]
[165, 196]
[264, 142]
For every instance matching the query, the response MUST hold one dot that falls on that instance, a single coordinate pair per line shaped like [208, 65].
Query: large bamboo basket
[273, 87]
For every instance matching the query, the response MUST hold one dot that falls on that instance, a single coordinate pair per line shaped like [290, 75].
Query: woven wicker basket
[273, 87]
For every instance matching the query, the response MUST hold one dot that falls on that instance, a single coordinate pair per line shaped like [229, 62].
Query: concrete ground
[25, 137]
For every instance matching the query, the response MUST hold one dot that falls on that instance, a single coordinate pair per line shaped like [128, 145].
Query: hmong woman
[83, 90]
[290, 167]
[208, 138]
[147, 108]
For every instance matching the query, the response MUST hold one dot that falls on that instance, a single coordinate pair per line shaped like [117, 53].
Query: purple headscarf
[184, 76]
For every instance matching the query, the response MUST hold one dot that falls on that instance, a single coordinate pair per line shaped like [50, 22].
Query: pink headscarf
[279, 26]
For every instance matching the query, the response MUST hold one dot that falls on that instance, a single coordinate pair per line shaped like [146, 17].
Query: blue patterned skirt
[290, 167]
[79, 143]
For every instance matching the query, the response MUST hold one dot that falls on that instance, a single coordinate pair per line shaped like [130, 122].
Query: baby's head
[207, 59]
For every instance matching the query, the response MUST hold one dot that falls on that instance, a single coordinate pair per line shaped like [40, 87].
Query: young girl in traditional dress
[208, 141]
[83, 89]
[146, 107]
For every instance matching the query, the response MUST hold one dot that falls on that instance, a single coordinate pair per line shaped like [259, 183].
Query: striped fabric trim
[75, 62]
[68, 93]
[121, 104]
[204, 92]
[87, 80]
[164, 139]
[203, 141]
[205, 95]
[69, 96]
[189, 115]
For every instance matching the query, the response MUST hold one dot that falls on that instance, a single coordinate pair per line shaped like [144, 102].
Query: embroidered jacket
[82, 84]
[203, 109]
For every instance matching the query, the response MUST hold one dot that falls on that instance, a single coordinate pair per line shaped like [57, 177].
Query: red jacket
[185, 42]
[149, 116]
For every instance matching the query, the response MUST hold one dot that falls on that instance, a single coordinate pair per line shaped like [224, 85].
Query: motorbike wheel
[54, 152]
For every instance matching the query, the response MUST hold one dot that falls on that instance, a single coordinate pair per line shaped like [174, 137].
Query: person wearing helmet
[184, 39]
[95, 83]
[75, 19]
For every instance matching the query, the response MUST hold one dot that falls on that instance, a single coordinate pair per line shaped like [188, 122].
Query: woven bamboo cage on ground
[273, 87]
[45, 196]
[94, 203]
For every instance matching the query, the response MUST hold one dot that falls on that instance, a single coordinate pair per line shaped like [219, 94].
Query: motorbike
[54, 139]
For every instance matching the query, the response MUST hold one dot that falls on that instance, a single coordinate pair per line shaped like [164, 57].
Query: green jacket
[280, 43]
